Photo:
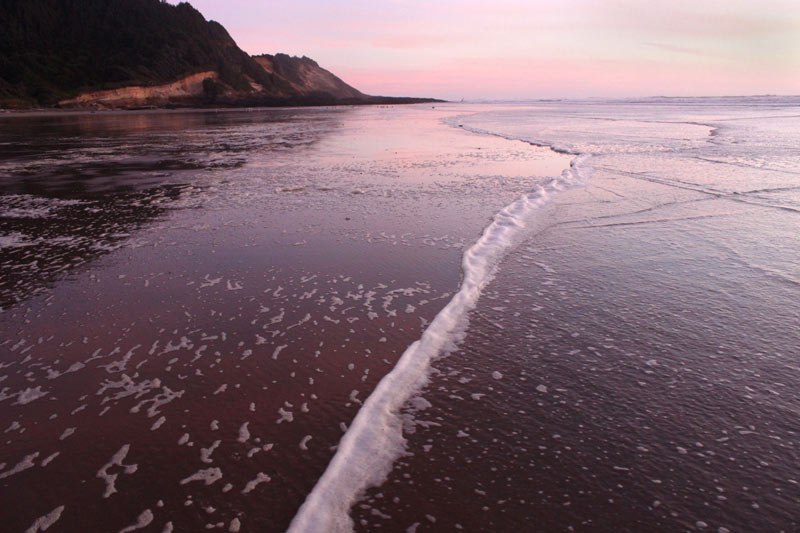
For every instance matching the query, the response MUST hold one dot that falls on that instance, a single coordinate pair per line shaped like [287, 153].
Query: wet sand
[633, 365]
[196, 304]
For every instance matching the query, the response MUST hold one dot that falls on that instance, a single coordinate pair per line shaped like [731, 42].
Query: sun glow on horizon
[531, 49]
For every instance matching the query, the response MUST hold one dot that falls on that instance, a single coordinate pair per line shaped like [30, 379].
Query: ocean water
[549, 316]
[633, 365]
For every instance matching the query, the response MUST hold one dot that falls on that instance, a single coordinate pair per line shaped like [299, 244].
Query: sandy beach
[585, 314]
[197, 304]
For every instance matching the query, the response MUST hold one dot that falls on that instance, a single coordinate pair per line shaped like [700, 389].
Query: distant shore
[46, 111]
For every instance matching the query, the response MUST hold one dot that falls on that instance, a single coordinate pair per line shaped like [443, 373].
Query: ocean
[543, 316]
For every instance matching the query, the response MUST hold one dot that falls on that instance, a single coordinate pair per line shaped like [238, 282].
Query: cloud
[680, 49]
[408, 41]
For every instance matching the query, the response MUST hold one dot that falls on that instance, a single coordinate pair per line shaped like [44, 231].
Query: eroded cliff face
[299, 76]
[147, 53]
[188, 87]
[306, 76]
[54, 51]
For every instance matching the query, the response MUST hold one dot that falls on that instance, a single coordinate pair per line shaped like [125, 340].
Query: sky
[521, 49]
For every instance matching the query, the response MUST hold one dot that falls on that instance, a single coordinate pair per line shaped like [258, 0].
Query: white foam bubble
[44, 522]
[116, 460]
[286, 416]
[30, 394]
[210, 282]
[25, 464]
[207, 476]
[252, 484]
[46, 461]
[205, 453]
[278, 350]
[244, 433]
[367, 450]
[144, 520]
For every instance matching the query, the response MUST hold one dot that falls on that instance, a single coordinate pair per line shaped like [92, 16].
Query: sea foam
[367, 450]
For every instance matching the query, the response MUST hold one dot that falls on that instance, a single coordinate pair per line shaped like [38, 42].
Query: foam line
[456, 122]
[374, 440]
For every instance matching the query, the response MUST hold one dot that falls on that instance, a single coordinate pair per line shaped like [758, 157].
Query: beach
[211, 296]
[197, 308]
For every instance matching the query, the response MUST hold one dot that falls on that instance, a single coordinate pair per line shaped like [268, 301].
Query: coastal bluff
[186, 88]
[148, 53]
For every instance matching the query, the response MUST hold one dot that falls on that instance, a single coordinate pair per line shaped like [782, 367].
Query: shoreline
[238, 339]
[376, 435]
[88, 110]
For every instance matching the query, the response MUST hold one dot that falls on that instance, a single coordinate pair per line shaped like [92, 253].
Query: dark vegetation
[54, 49]
[51, 50]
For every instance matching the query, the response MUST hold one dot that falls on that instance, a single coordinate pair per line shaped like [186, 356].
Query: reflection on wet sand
[76, 186]
[198, 305]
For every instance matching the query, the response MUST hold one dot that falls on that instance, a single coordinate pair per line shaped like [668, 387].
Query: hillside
[57, 49]
[145, 52]
[306, 76]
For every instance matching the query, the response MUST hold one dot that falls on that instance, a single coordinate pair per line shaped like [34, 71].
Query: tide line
[375, 440]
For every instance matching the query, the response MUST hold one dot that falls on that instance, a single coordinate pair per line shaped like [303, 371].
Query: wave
[457, 122]
[374, 440]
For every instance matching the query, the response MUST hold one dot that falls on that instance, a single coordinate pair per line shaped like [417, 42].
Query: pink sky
[512, 49]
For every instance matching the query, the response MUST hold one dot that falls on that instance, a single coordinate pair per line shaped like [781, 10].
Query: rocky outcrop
[187, 88]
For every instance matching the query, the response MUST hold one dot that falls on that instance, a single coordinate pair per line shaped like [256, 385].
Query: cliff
[55, 50]
[305, 76]
[146, 52]
[187, 89]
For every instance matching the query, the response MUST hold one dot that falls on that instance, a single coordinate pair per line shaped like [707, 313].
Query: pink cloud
[532, 48]
[562, 78]
[679, 49]
[408, 41]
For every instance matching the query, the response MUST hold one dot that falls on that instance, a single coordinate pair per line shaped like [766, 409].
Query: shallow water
[633, 366]
[195, 305]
